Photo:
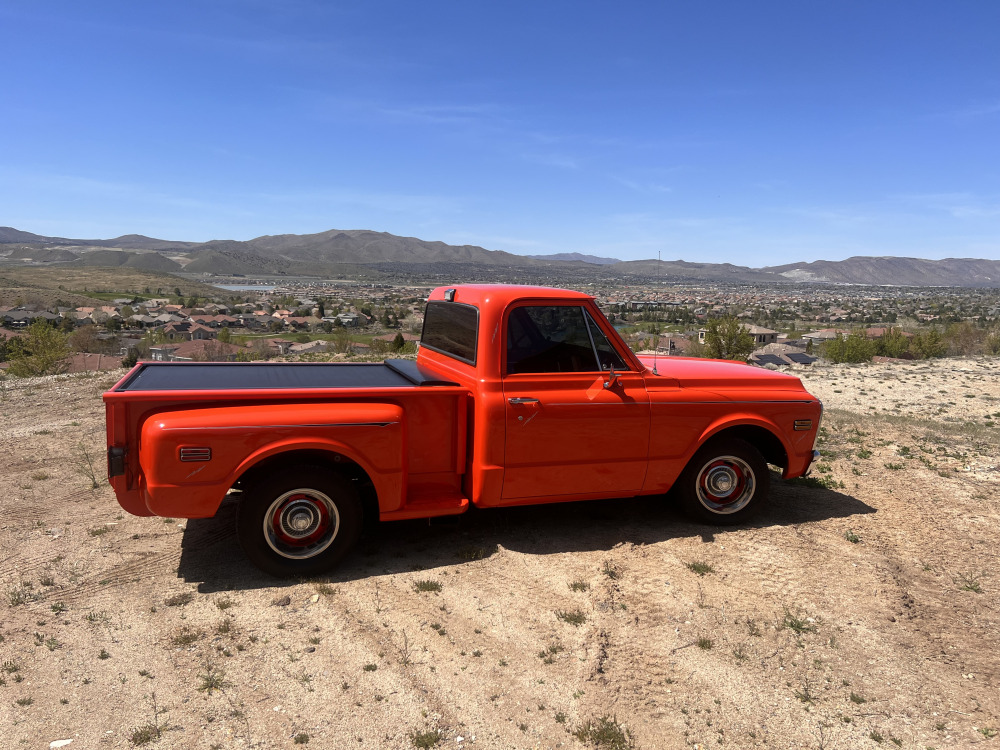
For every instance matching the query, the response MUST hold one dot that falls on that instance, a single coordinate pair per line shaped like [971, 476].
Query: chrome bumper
[813, 460]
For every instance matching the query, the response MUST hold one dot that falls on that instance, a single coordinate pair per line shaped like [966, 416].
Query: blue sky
[753, 133]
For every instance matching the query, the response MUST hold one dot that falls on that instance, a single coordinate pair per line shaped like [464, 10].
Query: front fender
[798, 445]
[190, 458]
[730, 421]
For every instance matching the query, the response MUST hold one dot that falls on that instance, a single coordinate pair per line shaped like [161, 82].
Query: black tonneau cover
[228, 376]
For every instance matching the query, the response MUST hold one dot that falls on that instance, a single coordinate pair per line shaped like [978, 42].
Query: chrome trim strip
[698, 403]
[276, 426]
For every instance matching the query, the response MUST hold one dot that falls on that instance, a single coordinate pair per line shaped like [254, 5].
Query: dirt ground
[859, 611]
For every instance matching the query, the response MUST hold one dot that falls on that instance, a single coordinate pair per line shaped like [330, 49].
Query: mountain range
[358, 251]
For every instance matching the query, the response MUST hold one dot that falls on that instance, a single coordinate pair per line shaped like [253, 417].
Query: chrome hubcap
[726, 485]
[301, 524]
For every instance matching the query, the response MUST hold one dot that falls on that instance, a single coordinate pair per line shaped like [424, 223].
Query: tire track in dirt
[148, 565]
[26, 509]
[25, 565]
[772, 567]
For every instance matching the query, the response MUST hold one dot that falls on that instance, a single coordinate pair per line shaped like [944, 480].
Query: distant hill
[9, 235]
[895, 271]
[111, 258]
[361, 251]
[684, 270]
[570, 257]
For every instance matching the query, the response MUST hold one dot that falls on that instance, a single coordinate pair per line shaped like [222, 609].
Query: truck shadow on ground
[211, 556]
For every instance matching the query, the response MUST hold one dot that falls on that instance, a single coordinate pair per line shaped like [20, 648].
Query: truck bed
[223, 376]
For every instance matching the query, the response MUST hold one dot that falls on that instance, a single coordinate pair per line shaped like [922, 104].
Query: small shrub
[213, 679]
[705, 644]
[575, 618]
[797, 623]
[19, 595]
[851, 537]
[427, 585]
[969, 582]
[472, 552]
[425, 739]
[144, 734]
[605, 733]
[370, 667]
[579, 585]
[701, 568]
[301, 738]
[611, 571]
[103, 655]
[179, 600]
[186, 636]
[859, 699]
[25, 701]
[548, 654]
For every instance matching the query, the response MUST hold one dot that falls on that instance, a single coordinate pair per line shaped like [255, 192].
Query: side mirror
[612, 380]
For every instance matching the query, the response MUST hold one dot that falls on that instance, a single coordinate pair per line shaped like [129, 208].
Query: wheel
[299, 522]
[726, 482]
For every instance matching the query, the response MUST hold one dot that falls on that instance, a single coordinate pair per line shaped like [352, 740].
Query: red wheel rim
[301, 523]
[725, 484]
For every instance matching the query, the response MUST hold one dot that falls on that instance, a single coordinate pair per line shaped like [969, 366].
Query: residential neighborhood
[787, 326]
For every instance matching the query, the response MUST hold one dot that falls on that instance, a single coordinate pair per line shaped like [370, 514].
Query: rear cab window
[452, 329]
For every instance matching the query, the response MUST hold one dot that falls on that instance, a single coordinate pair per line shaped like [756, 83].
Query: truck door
[577, 416]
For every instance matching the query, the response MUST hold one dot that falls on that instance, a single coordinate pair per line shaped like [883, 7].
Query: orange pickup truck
[519, 395]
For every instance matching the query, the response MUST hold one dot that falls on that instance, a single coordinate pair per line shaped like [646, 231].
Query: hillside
[860, 605]
[363, 252]
[896, 271]
[45, 286]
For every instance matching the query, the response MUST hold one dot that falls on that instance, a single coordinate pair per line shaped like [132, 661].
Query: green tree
[727, 339]
[929, 344]
[224, 335]
[964, 339]
[398, 342]
[892, 343]
[42, 351]
[852, 348]
[992, 343]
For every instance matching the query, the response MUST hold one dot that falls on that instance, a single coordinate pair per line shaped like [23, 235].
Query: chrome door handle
[522, 400]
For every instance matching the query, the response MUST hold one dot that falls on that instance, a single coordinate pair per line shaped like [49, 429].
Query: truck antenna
[656, 341]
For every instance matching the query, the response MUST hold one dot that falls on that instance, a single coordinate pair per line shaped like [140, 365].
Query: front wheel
[725, 483]
[299, 522]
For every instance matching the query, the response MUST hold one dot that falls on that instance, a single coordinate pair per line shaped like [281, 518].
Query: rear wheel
[726, 482]
[299, 522]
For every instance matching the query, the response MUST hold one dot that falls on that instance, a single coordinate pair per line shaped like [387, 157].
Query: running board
[429, 507]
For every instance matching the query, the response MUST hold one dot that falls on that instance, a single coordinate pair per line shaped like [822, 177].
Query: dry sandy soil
[859, 611]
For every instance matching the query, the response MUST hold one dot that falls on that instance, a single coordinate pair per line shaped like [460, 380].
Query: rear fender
[388, 479]
[227, 441]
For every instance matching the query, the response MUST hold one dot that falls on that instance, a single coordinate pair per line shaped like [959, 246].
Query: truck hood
[717, 374]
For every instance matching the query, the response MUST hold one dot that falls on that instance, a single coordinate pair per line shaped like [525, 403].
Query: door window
[557, 338]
